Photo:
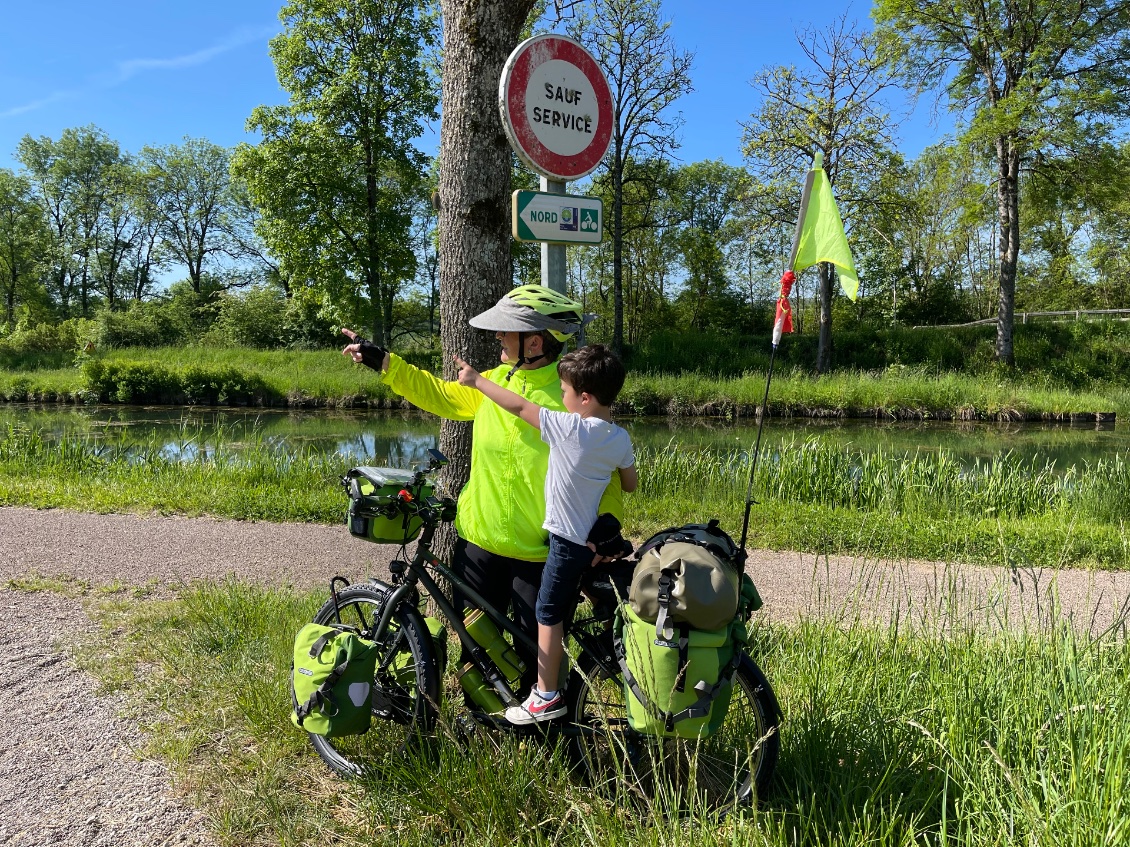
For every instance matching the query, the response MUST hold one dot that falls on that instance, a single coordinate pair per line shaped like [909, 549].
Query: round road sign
[556, 107]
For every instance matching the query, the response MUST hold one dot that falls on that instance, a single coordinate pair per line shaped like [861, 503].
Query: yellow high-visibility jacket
[502, 507]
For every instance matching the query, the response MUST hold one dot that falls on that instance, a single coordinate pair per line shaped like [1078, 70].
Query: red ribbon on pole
[784, 320]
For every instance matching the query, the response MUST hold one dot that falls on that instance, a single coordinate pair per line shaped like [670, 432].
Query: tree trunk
[1008, 206]
[474, 201]
[618, 252]
[827, 291]
[10, 301]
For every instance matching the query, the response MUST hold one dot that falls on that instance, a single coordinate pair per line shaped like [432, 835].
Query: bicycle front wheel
[731, 768]
[405, 684]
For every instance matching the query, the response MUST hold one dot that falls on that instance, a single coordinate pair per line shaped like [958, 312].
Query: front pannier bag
[332, 681]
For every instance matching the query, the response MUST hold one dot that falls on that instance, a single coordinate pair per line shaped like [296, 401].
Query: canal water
[401, 439]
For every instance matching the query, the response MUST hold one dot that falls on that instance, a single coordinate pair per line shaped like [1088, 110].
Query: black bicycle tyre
[607, 751]
[406, 685]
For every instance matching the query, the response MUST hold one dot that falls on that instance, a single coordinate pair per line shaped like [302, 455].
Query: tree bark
[1008, 207]
[618, 251]
[474, 202]
[827, 290]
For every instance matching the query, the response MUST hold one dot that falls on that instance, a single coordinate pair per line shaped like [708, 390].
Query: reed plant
[808, 495]
[934, 728]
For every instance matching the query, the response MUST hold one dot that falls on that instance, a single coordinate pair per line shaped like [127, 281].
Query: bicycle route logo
[574, 219]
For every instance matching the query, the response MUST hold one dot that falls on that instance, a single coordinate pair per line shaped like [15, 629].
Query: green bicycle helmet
[534, 308]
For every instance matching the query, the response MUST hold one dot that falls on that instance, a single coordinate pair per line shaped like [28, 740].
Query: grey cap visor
[508, 316]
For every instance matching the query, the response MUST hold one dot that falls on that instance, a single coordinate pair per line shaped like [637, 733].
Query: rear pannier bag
[372, 514]
[678, 637]
[678, 687]
[332, 681]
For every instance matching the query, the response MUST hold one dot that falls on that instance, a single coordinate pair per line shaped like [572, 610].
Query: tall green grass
[813, 496]
[809, 495]
[934, 728]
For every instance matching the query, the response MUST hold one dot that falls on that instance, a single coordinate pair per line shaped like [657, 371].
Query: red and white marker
[556, 107]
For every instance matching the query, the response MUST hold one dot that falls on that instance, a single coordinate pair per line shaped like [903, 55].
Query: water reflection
[402, 439]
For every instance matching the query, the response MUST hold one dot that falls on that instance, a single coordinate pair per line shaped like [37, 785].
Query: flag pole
[783, 315]
[757, 448]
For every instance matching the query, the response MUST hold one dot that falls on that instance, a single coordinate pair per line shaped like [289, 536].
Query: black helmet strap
[522, 359]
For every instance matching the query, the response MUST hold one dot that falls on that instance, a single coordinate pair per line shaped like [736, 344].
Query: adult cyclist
[501, 547]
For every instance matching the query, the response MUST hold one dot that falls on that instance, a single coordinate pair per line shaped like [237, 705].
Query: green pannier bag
[678, 687]
[332, 681]
[678, 638]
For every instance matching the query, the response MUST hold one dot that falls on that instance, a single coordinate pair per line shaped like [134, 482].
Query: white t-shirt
[583, 452]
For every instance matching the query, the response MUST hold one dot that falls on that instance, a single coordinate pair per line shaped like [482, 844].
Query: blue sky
[154, 72]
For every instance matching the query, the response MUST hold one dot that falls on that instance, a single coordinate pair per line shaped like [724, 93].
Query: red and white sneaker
[536, 709]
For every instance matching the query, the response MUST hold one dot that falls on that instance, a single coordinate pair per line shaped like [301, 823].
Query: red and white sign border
[512, 105]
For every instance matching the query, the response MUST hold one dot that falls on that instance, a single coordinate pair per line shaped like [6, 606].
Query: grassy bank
[326, 379]
[812, 496]
[945, 732]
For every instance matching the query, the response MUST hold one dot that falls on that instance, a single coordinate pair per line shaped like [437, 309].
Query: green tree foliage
[69, 177]
[926, 242]
[1031, 76]
[1072, 207]
[647, 74]
[23, 240]
[337, 176]
[834, 105]
[1108, 243]
[648, 255]
[188, 189]
[709, 202]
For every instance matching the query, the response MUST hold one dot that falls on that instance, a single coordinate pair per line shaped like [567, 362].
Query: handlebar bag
[373, 513]
[332, 681]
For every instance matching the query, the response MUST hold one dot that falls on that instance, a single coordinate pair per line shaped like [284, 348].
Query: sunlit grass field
[931, 729]
[327, 379]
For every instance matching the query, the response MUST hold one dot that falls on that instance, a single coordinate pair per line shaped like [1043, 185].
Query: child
[584, 448]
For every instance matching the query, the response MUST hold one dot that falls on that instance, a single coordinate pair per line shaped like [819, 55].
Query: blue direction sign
[564, 218]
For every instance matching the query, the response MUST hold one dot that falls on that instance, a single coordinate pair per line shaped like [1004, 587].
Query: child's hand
[467, 375]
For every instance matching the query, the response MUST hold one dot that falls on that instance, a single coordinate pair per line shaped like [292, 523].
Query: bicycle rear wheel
[405, 684]
[731, 768]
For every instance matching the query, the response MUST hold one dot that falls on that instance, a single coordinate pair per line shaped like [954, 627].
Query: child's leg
[556, 599]
[550, 651]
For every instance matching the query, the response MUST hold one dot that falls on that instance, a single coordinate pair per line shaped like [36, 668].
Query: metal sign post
[553, 255]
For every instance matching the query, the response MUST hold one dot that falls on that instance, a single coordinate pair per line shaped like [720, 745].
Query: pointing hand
[467, 375]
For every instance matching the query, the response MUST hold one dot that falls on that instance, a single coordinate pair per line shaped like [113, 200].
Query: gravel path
[70, 770]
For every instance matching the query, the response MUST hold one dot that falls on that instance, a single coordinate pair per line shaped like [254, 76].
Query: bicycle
[730, 768]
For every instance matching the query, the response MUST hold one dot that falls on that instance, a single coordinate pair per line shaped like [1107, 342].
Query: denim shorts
[561, 580]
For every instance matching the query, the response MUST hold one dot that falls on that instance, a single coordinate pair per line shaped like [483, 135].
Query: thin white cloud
[130, 68]
[54, 97]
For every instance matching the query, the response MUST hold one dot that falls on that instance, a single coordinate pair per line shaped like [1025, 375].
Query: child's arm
[628, 479]
[515, 404]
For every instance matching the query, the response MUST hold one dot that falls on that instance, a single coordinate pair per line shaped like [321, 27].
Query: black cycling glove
[605, 536]
[372, 355]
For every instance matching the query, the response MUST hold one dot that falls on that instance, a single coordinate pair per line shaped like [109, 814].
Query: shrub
[253, 318]
[311, 321]
[141, 324]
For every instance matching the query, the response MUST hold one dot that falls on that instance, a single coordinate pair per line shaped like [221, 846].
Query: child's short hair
[594, 370]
